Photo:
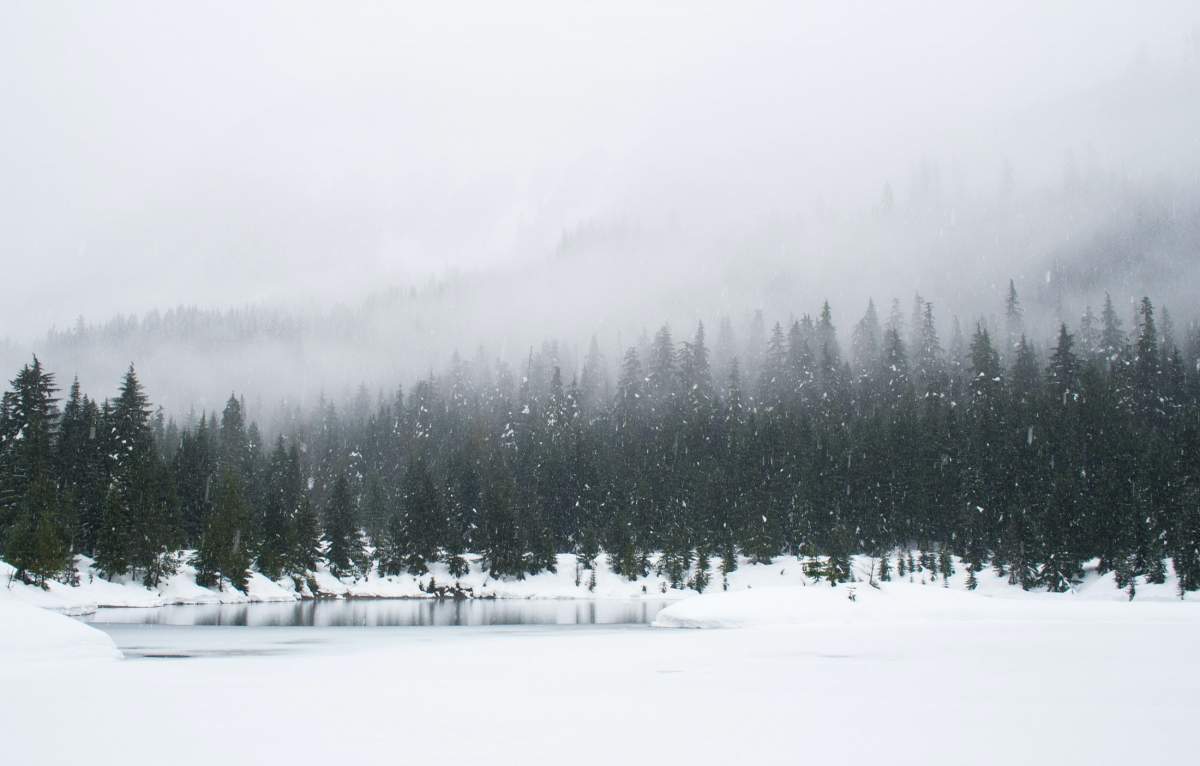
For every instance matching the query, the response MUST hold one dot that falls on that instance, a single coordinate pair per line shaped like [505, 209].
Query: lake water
[346, 626]
[392, 613]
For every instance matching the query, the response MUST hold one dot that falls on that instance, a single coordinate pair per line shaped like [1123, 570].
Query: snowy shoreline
[570, 582]
[566, 584]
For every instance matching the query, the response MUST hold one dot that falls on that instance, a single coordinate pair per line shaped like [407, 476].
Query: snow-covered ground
[95, 591]
[908, 674]
[30, 636]
[903, 603]
[568, 582]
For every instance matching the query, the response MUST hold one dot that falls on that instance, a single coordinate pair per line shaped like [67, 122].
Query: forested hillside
[1027, 457]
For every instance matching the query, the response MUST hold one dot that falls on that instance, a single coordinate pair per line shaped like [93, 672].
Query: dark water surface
[175, 633]
[392, 613]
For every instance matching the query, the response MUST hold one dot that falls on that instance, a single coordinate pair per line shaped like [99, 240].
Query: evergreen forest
[1027, 456]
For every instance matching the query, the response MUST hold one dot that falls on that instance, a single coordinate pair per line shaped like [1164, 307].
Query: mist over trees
[1063, 244]
[815, 435]
[786, 152]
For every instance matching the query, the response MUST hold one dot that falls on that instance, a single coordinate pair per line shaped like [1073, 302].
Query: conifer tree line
[1023, 458]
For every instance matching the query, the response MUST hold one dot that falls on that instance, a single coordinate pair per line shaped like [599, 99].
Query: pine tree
[195, 472]
[1147, 366]
[233, 441]
[593, 381]
[222, 554]
[279, 505]
[307, 546]
[729, 564]
[866, 344]
[928, 370]
[113, 541]
[1025, 378]
[391, 550]
[895, 383]
[34, 533]
[155, 510]
[35, 543]
[829, 353]
[500, 538]
[946, 563]
[771, 384]
[1112, 339]
[140, 525]
[345, 552]
[76, 468]
[1063, 371]
[701, 576]
[1014, 319]
[422, 517]
[1089, 335]
[800, 372]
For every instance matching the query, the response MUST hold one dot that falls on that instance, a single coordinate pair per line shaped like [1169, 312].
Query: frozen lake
[1029, 679]
[263, 629]
[392, 613]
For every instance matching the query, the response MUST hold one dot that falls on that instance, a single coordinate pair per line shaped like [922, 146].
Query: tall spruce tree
[223, 554]
[34, 527]
[345, 551]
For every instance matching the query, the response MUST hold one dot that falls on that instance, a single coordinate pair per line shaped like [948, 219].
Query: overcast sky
[154, 153]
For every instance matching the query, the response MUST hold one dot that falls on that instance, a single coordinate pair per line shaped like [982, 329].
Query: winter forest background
[1030, 456]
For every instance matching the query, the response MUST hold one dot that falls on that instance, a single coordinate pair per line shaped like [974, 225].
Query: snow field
[1105, 687]
[904, 674]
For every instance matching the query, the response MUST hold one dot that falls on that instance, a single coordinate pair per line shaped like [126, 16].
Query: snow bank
[762, 607]
[95, 591]
[28, 633]
[904, 602]
[820, 603]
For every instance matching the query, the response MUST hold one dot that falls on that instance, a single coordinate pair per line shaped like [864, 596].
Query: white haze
[567, 168]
